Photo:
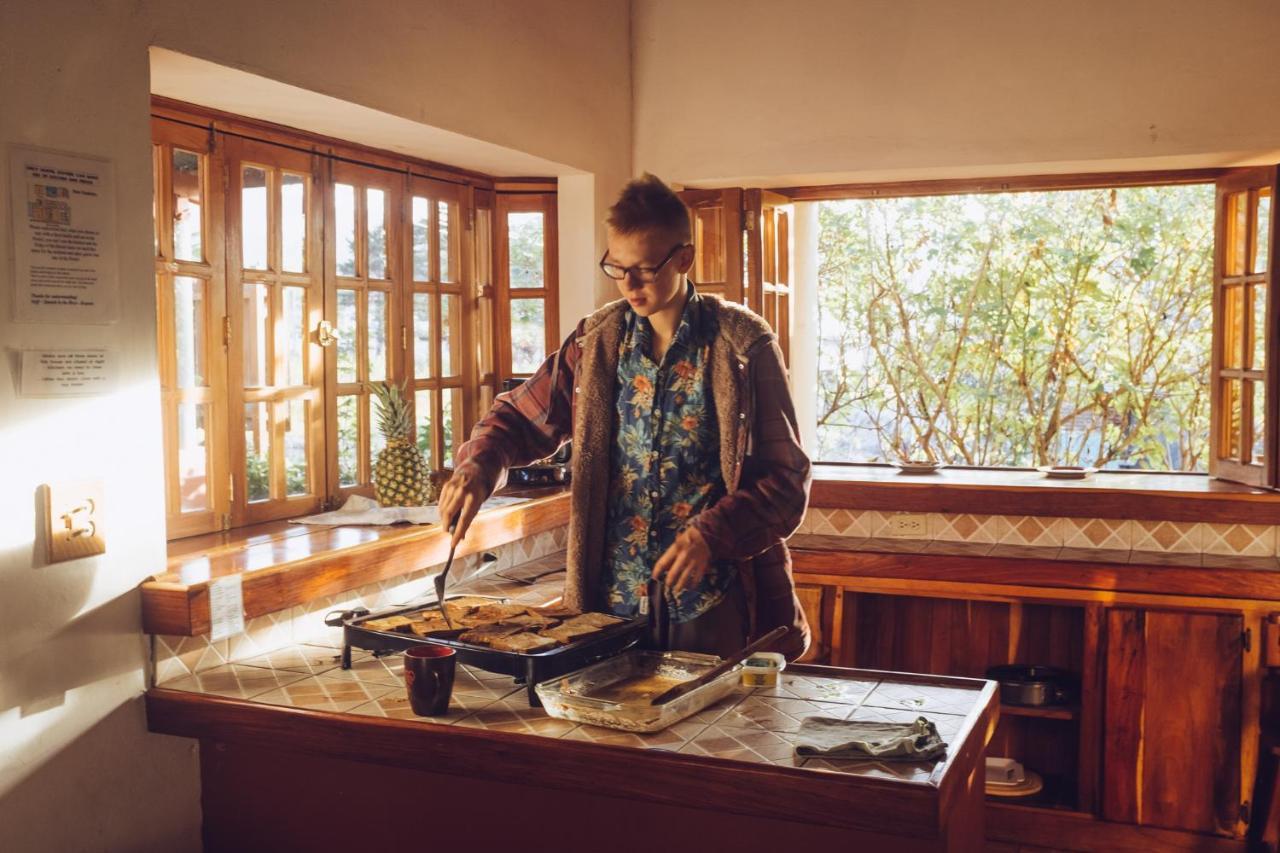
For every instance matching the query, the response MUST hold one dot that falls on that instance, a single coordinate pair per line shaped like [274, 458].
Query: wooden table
[278, 774]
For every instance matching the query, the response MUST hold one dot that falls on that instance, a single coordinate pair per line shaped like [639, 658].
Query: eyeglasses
[646, 274]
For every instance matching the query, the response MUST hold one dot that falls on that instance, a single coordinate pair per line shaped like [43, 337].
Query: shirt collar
[640, 331]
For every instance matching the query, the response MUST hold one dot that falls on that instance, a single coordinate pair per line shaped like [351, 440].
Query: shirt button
[742, 416]
[741, 366]
[577, 390]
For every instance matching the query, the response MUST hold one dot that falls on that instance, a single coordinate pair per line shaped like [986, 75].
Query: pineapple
[400, 476]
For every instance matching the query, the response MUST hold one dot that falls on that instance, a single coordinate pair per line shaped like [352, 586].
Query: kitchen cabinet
[1173, 725]
[816, 601]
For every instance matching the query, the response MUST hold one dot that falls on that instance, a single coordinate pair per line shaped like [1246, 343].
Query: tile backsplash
[175, 656]
[1193, 543]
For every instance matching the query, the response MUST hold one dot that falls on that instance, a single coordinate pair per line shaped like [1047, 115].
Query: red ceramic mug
[428, 676]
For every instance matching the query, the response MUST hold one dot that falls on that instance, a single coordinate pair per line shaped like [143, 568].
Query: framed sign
[63, 210]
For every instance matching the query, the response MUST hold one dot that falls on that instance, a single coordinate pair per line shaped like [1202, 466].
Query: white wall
[767, 93]
[77, 769]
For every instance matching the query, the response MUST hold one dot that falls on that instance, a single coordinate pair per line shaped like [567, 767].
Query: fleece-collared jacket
[766, 473]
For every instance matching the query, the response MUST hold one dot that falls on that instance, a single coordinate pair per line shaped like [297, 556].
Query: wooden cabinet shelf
[1047, 712]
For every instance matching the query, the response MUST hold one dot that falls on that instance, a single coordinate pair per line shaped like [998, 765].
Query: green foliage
[1018, 328]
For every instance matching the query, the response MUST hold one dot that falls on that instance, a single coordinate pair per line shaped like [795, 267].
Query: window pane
[344, 210]
[444, 222]
[1237, 214]
[188, 243]
[485, 332]
[293, 223]
[486, 399]
[377, 213]
[484, 247]
[1256, 452]
[528, 334]
[1262, 232]
[377, 335]
[524, 249]
[1258, 326]
[348, 441]
[190, 319]
[421, 251]
[1233, 307]
[423, 416]
[709, 248]
[253, 217]
[450, 336]
[1233, 419]
[295, 335]
[347, 313]
[377, 441]
[257, 335]
[451, 421]
[296, 481]
[193, 457]
[257, 452]
[421, 335]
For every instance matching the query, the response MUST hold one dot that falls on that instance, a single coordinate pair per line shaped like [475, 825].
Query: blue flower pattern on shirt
[665, 464]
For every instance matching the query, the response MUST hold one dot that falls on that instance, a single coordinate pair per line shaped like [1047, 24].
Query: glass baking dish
[615, 693]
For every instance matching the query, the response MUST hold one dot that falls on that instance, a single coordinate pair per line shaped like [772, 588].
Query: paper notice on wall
[226, 607]
[67, 372]
[63, 214]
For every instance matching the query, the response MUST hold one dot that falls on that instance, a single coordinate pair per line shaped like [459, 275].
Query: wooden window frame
[525, 202]
[220, 140]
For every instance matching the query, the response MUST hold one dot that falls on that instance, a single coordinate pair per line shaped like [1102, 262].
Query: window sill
[1012, 491]
[283, 565]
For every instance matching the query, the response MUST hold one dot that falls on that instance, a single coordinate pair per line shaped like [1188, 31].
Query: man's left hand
[685, 562]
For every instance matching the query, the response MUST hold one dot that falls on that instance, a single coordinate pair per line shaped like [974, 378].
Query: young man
[686, 464]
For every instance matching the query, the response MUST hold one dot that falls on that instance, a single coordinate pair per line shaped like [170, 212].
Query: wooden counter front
[288, 565]
[286, 777]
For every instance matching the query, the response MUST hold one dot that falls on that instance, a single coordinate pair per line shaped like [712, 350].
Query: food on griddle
[485, 634]
[599, 620]
[555, 611]
[496, 613]
[523, 642]
[390, 623]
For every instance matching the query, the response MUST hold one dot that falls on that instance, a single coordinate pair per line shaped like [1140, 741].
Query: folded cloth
[831, 738]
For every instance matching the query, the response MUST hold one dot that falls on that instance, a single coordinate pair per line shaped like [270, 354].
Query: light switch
[74, 520]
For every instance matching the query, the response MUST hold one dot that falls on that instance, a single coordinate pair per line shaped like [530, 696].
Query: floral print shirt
[665, 465]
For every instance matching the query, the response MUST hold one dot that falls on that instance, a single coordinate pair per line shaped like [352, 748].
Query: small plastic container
[762, 668]
[582, 696]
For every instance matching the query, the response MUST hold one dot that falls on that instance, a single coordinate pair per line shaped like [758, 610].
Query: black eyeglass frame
[646, 274]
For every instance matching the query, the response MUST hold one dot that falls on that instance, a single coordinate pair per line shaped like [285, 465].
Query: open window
[526, 297]
[1244, 373]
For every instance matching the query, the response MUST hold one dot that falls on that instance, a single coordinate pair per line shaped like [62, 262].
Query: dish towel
[830, 738]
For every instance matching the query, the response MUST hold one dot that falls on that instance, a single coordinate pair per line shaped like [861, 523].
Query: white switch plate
[909, 525]
[74, 520]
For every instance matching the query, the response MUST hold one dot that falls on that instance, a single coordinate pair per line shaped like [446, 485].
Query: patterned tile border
[1157, 543]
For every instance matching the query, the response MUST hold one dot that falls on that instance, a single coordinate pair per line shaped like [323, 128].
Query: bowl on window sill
[916, 466]
[1066, 472]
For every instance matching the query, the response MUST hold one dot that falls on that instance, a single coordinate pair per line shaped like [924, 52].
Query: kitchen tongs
[719, 669]
[440, 578]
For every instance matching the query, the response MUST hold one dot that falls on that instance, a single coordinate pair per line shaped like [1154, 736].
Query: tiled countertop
[755, 726]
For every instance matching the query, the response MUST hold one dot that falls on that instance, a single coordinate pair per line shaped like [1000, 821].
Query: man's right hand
[460, 498]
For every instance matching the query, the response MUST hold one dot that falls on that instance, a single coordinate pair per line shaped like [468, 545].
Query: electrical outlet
[74, 521]
[909, 525]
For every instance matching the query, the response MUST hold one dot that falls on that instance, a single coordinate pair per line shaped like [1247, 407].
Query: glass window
[377, 213]
[296, 479]
[528, 334]
[347, 313]
[525, 241]
[446, 265]
[451, 421]
[257, 335]
[421, 335]
[190, 319]
[253, 217]
[348, 441]
[188, 235]
[293, 222]
[193, 457]
[450, 336]
[421, 249]
[295, 335]
[423, 416]
[377, 334]
[344, 212]
[257, 452]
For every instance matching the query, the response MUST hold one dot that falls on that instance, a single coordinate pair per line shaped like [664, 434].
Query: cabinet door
[811, 601]
[1171, 752]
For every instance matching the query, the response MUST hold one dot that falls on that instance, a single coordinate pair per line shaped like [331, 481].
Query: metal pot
[1030, 684]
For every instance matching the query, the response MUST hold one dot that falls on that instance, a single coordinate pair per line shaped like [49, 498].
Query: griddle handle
[336, 618]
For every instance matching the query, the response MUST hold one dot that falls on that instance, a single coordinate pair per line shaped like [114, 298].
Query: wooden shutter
[1243, 376]
[767, 218]
[717, 241]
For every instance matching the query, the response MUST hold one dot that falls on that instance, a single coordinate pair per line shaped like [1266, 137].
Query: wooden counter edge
[784, 793]
[183, 609]
[1217, 583]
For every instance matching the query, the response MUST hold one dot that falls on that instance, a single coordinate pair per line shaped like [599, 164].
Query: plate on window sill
[1066, 472]
[917, 466]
